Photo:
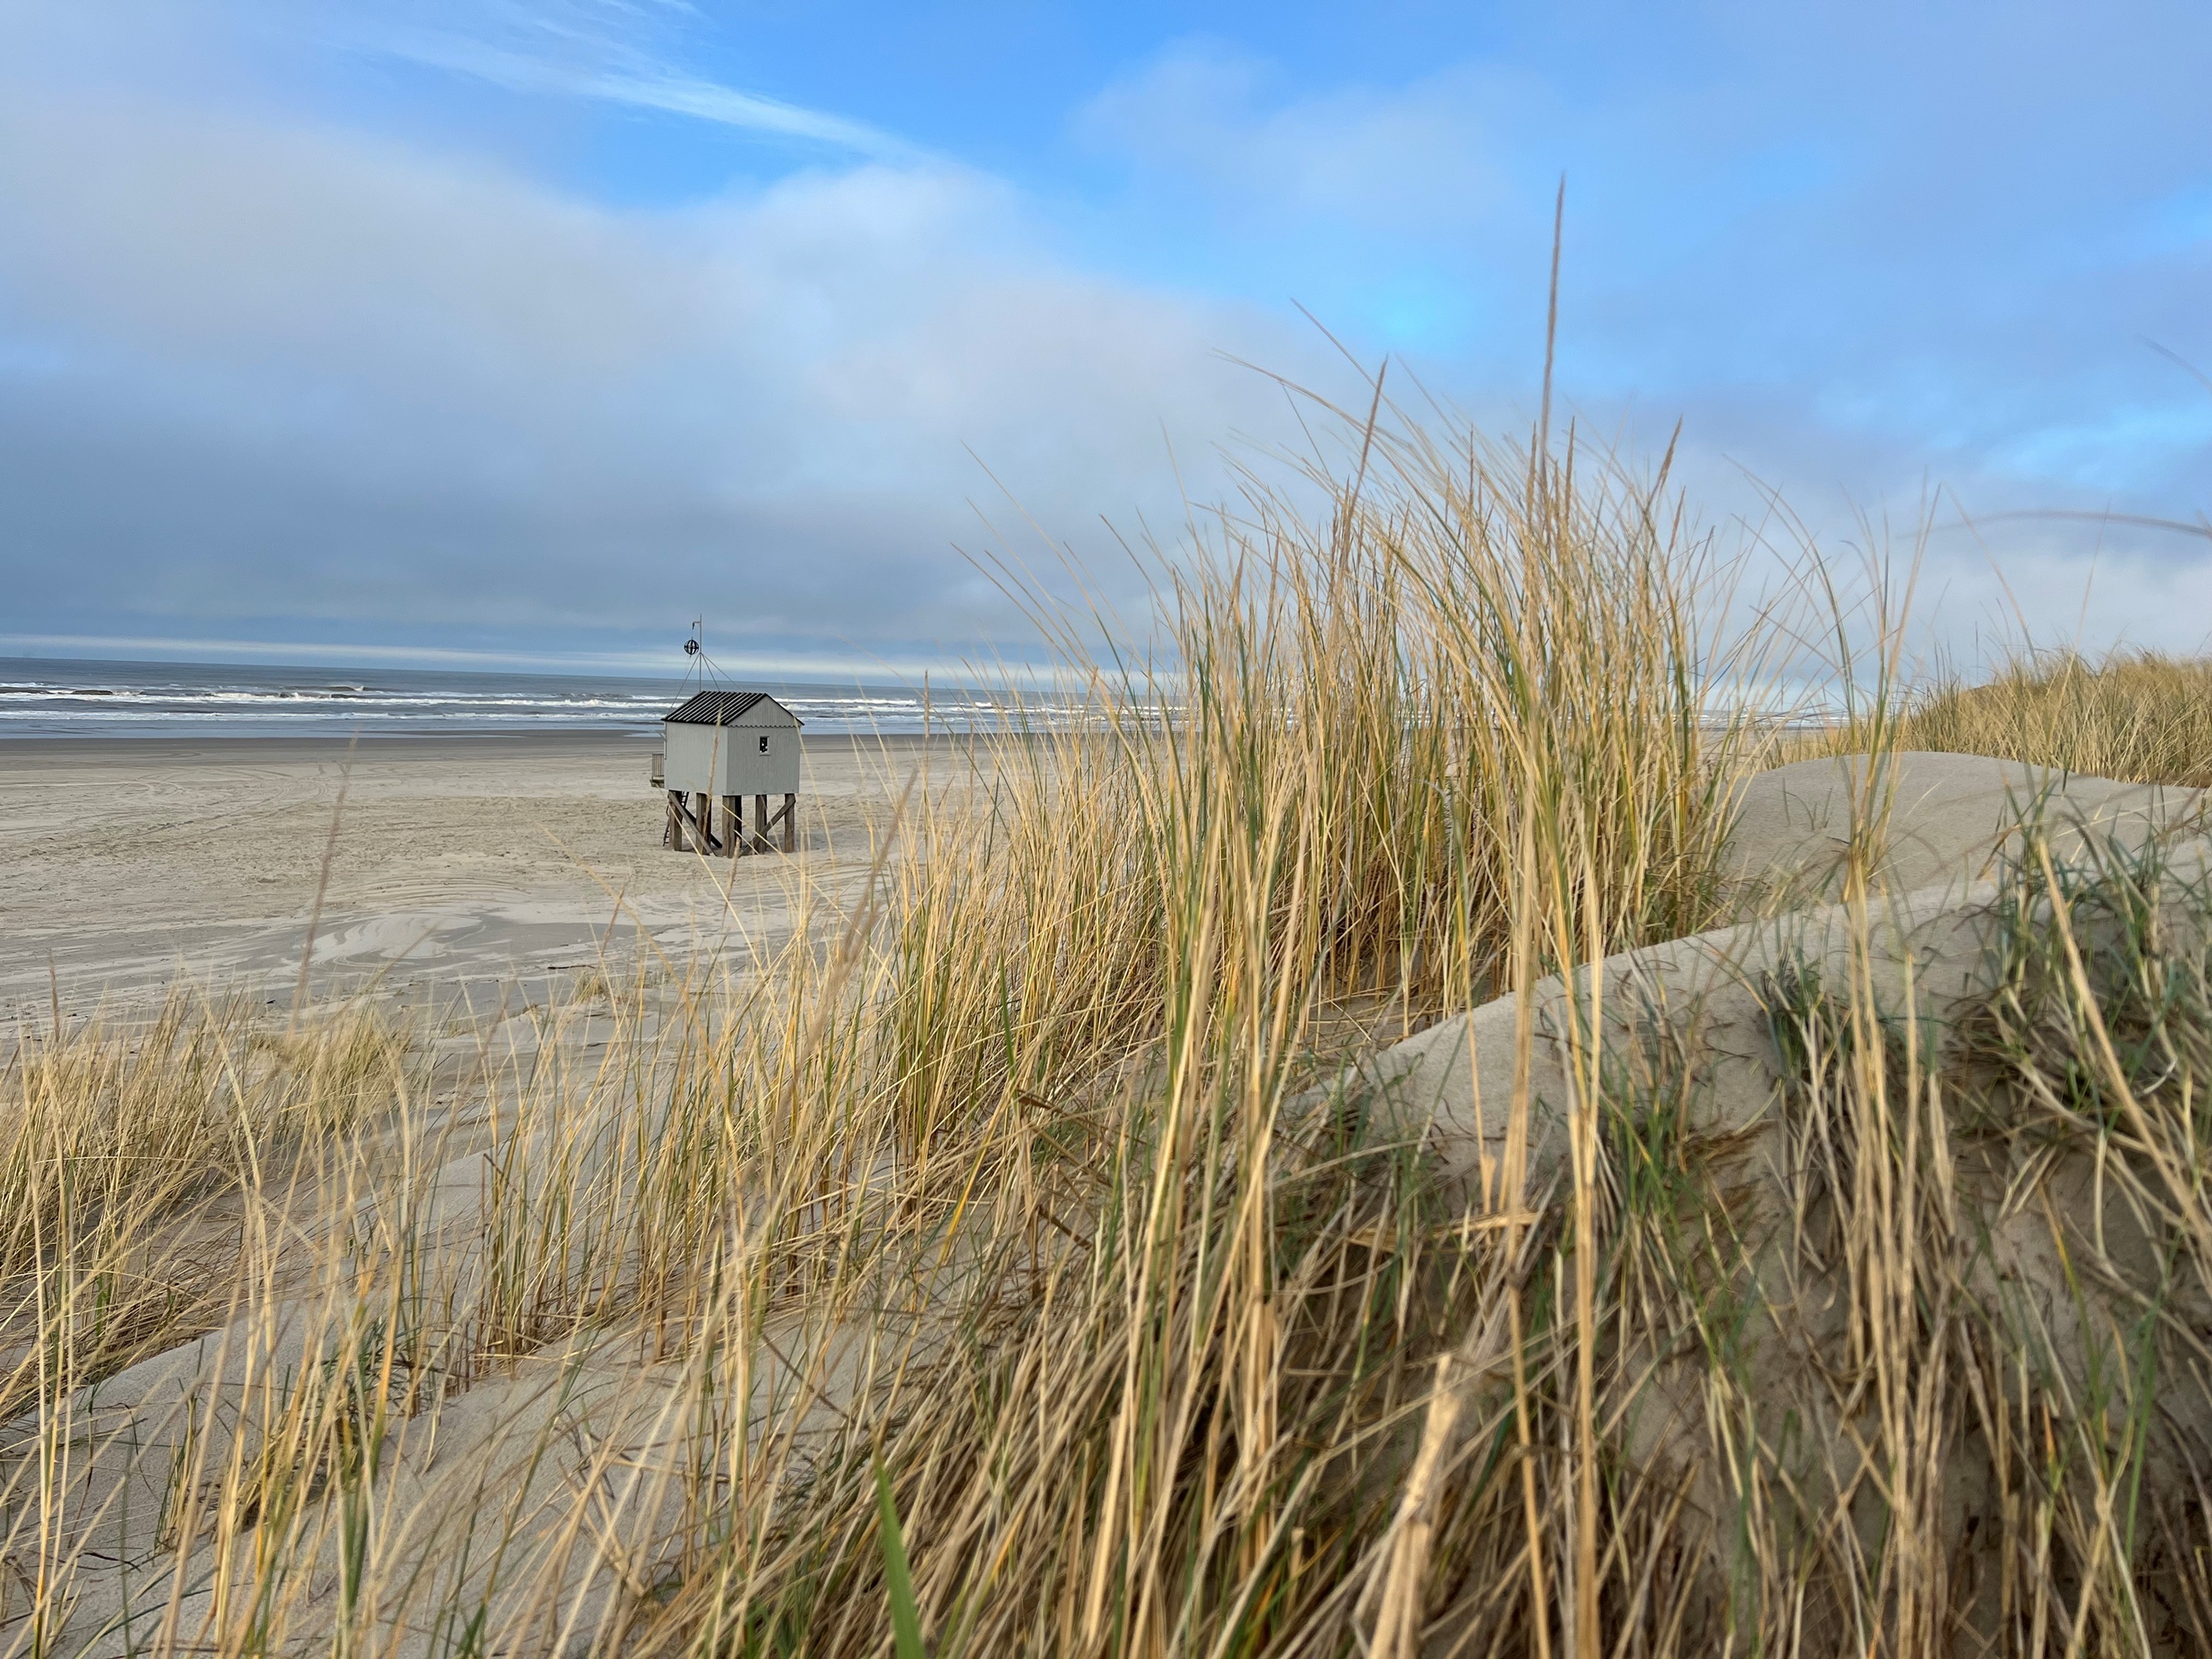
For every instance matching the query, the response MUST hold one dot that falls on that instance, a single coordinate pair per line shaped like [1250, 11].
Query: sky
[527, 330]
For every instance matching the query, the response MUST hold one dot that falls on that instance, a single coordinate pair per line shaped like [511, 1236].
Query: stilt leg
[733, 813]
[672, 836]
[760, 822]
[791, 823]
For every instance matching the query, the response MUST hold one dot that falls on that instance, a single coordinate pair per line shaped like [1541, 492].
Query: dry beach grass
[1008, 1259]
[2137, 715]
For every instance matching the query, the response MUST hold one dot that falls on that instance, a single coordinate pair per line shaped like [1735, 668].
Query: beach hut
[721, 746]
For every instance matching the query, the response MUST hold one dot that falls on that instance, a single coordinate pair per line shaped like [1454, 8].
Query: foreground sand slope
[1942, 823]
[2006, 1236]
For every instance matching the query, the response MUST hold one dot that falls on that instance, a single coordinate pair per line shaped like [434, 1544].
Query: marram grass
[2137, 716]
[1005, 1203]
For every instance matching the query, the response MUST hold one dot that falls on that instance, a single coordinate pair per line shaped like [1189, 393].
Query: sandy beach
[466, 861]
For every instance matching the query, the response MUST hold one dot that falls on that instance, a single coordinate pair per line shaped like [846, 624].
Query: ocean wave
[154, 700]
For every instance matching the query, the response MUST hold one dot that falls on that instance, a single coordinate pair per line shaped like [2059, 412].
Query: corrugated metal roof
[723, 708]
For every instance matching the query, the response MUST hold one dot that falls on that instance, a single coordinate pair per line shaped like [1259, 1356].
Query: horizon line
[300, 653]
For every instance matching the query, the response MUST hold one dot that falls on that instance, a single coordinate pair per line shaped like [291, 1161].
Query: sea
[44, 697]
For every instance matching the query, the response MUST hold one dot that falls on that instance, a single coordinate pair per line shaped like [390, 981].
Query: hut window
[763, 745]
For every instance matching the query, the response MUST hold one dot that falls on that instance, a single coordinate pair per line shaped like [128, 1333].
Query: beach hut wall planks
[718, 747]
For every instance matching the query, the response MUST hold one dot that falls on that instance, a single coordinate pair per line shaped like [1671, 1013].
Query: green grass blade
[905, 1618]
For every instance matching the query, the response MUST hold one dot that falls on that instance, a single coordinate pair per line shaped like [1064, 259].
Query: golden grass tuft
[2137, 716]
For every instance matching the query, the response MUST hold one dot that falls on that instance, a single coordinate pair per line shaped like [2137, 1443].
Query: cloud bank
[259, 378]
[276, 364]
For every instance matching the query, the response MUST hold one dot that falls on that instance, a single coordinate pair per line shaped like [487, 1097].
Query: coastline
[135, 748]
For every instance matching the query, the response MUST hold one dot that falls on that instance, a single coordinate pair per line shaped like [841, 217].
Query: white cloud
[1408, 158]
[305, 374]
[647, 86]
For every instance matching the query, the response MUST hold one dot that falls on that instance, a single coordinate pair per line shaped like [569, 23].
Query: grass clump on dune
[123, 1156]
[2137, 716]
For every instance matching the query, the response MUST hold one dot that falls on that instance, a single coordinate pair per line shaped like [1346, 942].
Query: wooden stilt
[716, 823]
[690, 826]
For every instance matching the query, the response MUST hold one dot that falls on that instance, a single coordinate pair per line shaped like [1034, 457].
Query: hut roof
[723, 707]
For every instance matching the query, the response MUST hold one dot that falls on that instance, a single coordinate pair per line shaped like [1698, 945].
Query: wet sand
[451, 860]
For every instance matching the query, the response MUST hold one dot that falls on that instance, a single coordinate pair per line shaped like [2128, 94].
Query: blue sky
[538, 326]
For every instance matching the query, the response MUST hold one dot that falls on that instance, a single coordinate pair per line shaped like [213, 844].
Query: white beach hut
[721, 746]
